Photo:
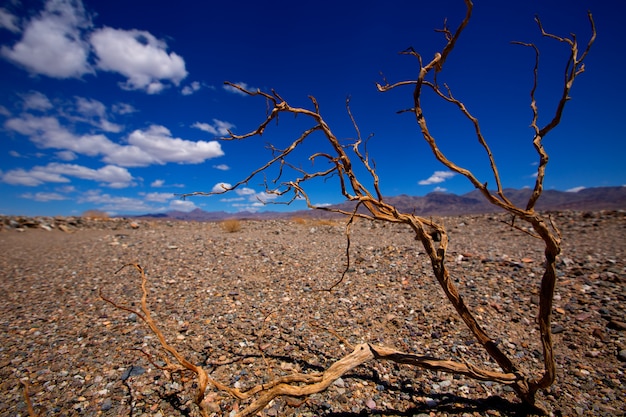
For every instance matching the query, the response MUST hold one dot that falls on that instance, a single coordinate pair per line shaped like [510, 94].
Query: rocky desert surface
[247, 305]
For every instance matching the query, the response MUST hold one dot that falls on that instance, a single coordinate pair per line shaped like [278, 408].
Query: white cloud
[157, 183]
[221, 187]
[437, 177]
[241, 84]
[218, 128]
[8, 21]
[221, 167]
[440, 190]
[575, 189]
[191, 88]
[66, 155]
[159, 197]
[44, 197]
[154, 145]
[4, 111]
[157, 141]
[139, 56]
[123, 108]
[36, 101]
[65, 189]
[182, 205]
[51, 43]
[245, 191]
[116, 204]
[32, 178]
[94, 112]
[47, 132]
[109, 175]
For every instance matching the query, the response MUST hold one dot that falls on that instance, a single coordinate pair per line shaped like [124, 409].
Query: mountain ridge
[439, 204]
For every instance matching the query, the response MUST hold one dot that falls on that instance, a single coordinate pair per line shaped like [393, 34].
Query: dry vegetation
[432, 235]
[231, 225]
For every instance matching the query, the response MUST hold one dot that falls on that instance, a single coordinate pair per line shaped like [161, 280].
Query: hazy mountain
[443, 204]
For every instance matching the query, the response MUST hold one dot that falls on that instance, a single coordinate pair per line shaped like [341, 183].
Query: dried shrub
[431, 234]
[299, 220]
[231, 225]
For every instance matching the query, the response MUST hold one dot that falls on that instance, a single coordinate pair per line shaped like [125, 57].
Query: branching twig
[370, 204]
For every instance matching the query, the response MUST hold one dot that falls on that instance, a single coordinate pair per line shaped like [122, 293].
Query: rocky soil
[246, 305]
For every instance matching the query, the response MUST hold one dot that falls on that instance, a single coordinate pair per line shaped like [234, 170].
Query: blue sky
[118, 105]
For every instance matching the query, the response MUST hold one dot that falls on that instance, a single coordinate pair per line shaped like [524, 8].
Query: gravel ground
[246, 305]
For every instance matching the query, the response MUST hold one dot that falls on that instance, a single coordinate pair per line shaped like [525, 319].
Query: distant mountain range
[440, 204]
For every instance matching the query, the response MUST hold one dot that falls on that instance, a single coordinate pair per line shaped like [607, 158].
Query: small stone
[557, 328]
[622, 355]
[106, 405]
[370, 404]
[339, 382]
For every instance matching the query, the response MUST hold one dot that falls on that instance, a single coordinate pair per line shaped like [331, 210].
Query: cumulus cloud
[158, 143]
[221, 167]
[221, 187]
[154, 145]
[51, 42]
[47, 132]
[182, 205]
[44, 197]
[437, 177]
[140, 57]
[241, 84]
[218, 128]
[109, 175]
[158, 197]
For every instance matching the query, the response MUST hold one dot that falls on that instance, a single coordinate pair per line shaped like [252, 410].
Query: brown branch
[29, 404]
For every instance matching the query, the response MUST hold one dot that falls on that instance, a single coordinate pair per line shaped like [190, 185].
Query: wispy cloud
[35, 100]
[218, 128]
[241, 84]
[109, 175]
[9, 21]
[191, 88]
[158, 197]
[437, 177]
[44, 197]
[575, 189]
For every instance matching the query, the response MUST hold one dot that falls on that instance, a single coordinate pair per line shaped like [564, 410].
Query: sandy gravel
[247, 306]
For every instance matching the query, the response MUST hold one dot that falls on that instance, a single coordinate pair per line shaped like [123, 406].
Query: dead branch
[370, 204]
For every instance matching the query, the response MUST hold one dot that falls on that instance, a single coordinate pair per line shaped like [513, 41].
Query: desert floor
[249, 306]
